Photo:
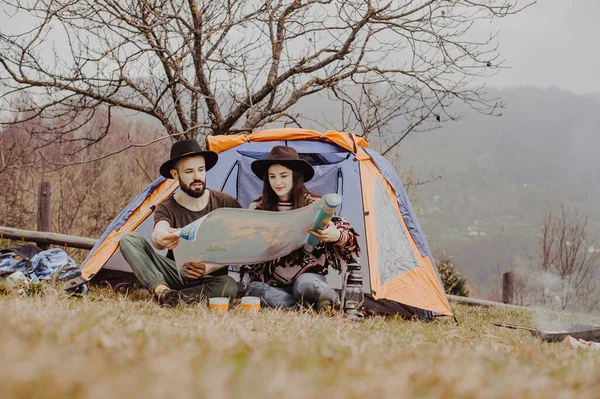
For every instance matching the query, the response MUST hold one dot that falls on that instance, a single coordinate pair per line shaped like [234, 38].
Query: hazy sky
[553, 43]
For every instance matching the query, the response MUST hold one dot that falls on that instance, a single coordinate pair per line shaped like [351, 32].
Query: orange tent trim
[347, 141]
[420, 287]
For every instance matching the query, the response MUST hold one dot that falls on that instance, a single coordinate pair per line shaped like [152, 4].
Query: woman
[297, 278]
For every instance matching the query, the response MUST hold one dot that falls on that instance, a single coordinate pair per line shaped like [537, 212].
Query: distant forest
[498, 173]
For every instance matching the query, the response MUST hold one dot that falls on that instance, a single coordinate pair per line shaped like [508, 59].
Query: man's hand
[193, 270]
[329, 234]
[166, 238]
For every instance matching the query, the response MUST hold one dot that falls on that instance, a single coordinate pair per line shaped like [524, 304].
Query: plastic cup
[218, 304]
[251, 303]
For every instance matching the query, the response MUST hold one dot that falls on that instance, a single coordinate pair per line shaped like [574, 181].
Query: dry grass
[104, 345]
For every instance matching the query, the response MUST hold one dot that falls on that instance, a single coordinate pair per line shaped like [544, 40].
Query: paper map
[231, 236]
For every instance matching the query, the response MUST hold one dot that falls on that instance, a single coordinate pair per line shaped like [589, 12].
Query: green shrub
[454, 283]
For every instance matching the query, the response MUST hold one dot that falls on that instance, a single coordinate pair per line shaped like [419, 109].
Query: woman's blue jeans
[308, 289]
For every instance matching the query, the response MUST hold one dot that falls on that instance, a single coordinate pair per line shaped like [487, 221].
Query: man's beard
[193, 192]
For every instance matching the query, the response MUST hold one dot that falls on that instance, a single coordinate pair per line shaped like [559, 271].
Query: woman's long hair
[298, 194]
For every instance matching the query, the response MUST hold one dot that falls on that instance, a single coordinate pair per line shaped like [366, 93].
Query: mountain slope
[499, 172]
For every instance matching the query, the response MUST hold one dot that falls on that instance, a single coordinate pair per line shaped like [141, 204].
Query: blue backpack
[37, 264]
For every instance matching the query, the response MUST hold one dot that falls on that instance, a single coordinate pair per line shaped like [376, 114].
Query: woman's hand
[329, 234]
[193, 270]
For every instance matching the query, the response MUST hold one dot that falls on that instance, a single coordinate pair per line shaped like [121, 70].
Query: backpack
[36, 264]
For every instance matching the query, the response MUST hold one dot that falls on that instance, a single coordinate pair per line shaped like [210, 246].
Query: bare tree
[85, 198]
[15, 148]
[568, 258]
[547, 247]
[218, 67]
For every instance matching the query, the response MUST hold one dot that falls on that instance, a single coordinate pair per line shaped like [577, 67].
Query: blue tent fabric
[136, 202]
[250, 186]
[387, 170]
[319, 158]
[305, 146]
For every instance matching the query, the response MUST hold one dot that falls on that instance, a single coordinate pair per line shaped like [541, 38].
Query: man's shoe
[170, 298]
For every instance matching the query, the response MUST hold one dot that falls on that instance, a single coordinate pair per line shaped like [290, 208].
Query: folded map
[232, 236]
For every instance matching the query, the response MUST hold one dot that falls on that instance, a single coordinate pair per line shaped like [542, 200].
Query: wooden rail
[482, 302]
[42, 237]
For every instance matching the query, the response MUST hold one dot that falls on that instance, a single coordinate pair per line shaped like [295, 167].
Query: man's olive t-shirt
[178, 216]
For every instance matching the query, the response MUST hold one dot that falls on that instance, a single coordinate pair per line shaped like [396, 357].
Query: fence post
[508, 288]
[44, 210]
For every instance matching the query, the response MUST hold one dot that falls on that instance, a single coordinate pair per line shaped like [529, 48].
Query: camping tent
[400, 274]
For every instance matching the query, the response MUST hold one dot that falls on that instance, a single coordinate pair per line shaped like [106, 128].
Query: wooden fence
[44, 236]
[44, 239]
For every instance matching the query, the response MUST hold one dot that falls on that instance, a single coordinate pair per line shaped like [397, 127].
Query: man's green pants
[153, 269]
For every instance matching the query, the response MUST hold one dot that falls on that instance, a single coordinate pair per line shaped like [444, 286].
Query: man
[159, 274]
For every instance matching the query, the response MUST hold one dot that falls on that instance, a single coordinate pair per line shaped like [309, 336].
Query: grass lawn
[107, 345]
